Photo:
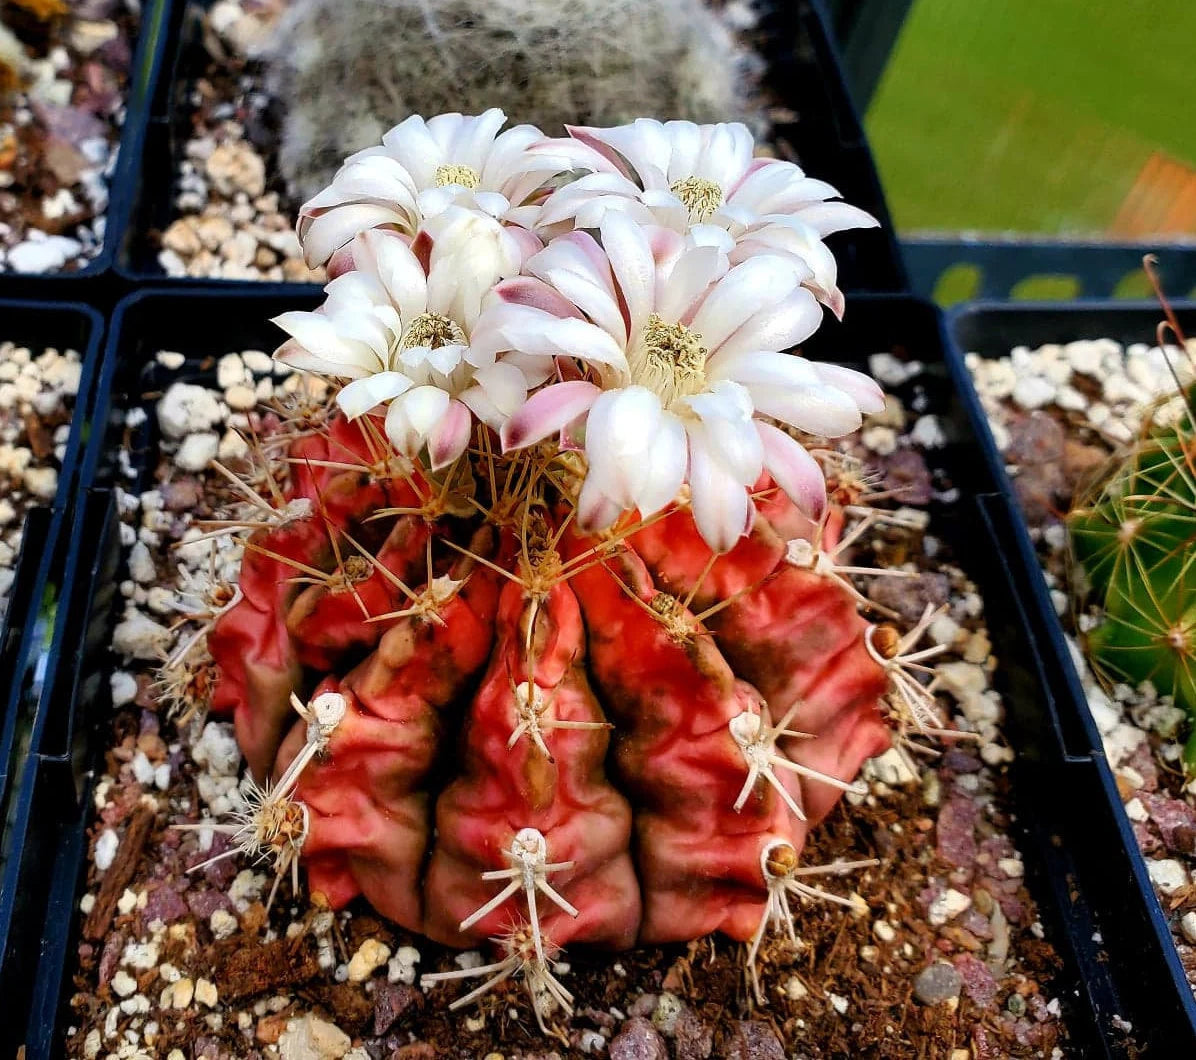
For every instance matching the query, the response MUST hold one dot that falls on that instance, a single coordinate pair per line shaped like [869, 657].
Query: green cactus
[1135, 540]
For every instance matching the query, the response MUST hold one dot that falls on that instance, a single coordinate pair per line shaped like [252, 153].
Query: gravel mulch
[37, 394]
[941, 955]
[64, 76]
[1059, 414]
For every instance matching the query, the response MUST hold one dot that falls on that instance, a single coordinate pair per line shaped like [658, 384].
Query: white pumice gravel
[37, 394]
[59, 130]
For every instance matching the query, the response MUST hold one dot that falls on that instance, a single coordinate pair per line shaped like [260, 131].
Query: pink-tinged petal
[526, 242]
[832, 298]
[293, 355]
[412, 416]
[529, 291]
[645, 144]
[819, 410]
[416, 149]
[329, 231]
[794, 470]
[565, 267]
[720, 504]
[826, 218]
[862, 389]
[505, 387]
[546, 412]
[754, 165]
[360, 396]
[450, 437]
[318, 336]
[576, 338]
[756, 286]
[595, 510]
[765, 368]
[784, 325]
[725, 432]
[668, 462]
[597, 148]
[620, 430]
[341, 262]
[388, 256]
[581, 152]
[681, 290]
[631, 261]
[762, 185]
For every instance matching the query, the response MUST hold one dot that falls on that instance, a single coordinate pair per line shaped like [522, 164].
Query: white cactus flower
[421, 168]
[413, 337]
[679, 174]
[684, 370]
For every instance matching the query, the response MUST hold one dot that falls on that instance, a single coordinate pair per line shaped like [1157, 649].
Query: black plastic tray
[804, 71]
[992, 330]
[1003, 267]
[1055, 780]
[30, 626]
[143, 74]
[38, 325]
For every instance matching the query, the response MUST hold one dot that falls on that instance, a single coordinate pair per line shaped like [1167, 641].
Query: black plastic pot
[1109, 857]
[151, 45]
[29, 627]
[804, 72]
[63, 325]
[1055, 781]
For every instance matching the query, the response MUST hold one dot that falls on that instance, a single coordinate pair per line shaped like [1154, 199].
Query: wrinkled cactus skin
[1135, 541]
[427, 781]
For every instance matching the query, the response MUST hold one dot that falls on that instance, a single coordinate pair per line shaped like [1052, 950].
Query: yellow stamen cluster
[669, 360]
[451, 173]
[700, 197]
[433, 330]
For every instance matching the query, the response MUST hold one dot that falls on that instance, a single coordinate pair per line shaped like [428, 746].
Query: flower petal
[449, 438]
[826, 218]
[324, 233]
[620, 430]
[669, 459]
[595, 510]
[318, 336]
[361, 395]
[755, 286]
[720, 504]
[788, 322]
[820, 410]
[862, 389]
[725, 430]
[388, 256]
[630, 255]
[546, 412]
[794, 470]
[412, 416]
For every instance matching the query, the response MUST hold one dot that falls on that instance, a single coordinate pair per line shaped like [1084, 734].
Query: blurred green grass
[1031, 115]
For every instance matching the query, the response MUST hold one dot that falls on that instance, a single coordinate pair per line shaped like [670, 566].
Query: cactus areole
[548, 636]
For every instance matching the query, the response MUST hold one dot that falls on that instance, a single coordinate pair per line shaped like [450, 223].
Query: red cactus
[545, 736]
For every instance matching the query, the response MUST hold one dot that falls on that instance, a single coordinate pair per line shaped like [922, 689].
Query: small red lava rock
[391, 1000]
[638, 1040]
[978, 982]
[1176, 821]
[751, 1040]
[956, 840]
